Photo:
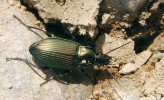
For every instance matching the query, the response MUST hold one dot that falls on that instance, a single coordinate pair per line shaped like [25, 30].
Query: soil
[135, 72]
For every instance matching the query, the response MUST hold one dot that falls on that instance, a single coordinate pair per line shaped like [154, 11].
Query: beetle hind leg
[28, 63]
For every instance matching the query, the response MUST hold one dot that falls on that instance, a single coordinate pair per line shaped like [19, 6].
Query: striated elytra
[65, 54]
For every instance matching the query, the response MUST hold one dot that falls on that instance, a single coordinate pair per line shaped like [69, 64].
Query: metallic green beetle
[66, 54]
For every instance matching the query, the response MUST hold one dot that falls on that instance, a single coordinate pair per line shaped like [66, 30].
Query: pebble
[138, 61]
[11, 2]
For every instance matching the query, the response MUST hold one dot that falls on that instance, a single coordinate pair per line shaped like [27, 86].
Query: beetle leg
[28, 63]
[29, 27]
[48, 80]
[56, 77]
[52, 78]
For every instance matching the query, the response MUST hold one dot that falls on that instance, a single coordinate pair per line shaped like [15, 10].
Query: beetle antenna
[116, 92]
[118, 47]
[28, 63]
[29, 27]
[116, 81]
[113, 77]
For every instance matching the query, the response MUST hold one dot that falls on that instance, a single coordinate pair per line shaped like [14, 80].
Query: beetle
[66, 54]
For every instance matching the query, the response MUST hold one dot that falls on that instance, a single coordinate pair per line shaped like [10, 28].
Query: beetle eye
[99, 53]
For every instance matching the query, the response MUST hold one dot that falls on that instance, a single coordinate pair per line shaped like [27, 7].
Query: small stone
[143, 22]
[155, 6]
[96, 93]
[145, 15]
[123, 24]
[18, 5]
[138, 61]
[105, 18]
[128, 68]
[11, 2]
[158, 55]
[23, 8]
[37, 22]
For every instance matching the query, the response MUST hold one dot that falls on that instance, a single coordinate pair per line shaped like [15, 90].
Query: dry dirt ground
[138, 66]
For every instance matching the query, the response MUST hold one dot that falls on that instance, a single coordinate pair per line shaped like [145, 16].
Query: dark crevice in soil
[59, 29]
[32, 10]
[144, 35]
[50, 27]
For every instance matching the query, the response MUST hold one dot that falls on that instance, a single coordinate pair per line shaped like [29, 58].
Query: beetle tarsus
[116, 92]
[20, 59]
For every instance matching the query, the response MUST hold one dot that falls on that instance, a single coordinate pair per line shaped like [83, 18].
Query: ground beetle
[66, 54]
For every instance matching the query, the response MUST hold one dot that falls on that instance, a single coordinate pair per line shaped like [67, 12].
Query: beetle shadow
[75, 76]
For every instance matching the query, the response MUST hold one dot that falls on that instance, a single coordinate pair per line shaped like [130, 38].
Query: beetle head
[101, 59]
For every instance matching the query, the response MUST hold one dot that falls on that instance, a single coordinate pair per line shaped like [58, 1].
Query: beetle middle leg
[52, 78]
